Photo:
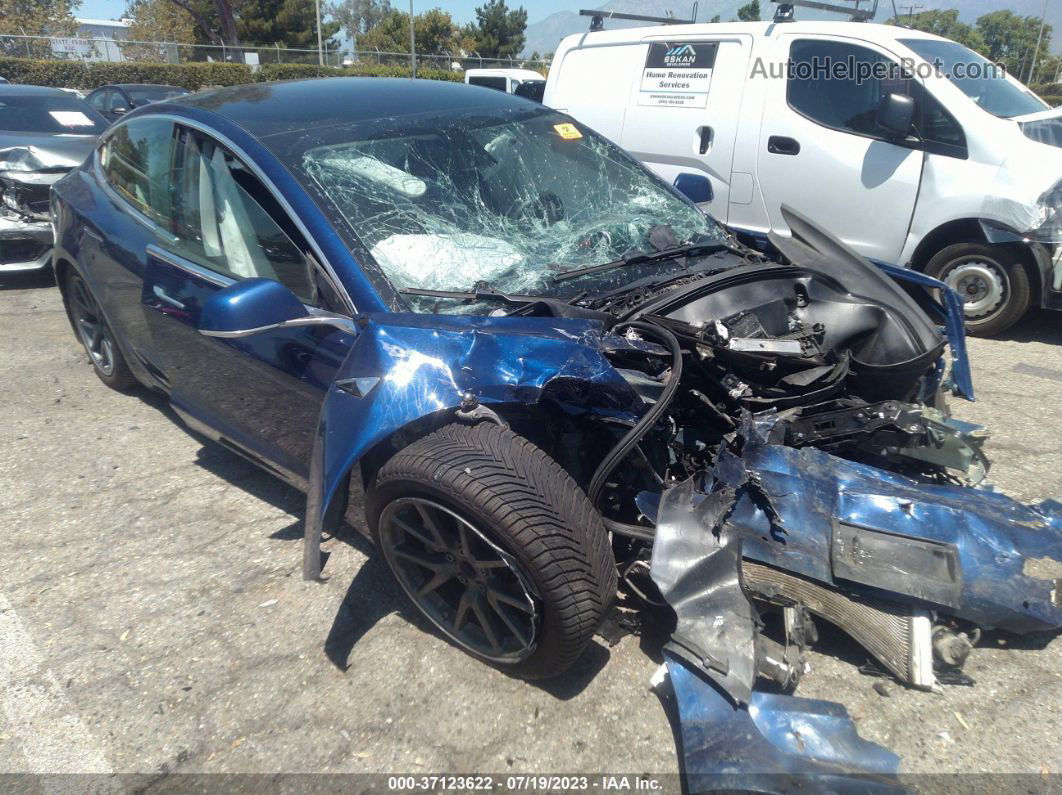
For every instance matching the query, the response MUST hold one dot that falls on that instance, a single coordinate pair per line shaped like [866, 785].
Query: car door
[261, 393]
[682, 114]
[822, 153]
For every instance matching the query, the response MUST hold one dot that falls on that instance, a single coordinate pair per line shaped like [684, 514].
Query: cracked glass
[446, 202]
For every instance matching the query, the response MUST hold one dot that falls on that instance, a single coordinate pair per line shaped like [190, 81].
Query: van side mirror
[695, 187]
[896, 113]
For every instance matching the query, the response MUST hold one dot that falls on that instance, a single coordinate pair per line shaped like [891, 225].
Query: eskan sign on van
[678, 74]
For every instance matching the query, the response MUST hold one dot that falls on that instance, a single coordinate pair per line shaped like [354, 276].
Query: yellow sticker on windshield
[567, 131]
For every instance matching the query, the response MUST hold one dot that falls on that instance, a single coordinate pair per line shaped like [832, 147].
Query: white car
[507, 80]
[909, 147]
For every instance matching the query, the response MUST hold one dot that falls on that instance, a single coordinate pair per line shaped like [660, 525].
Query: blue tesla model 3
[504, 349]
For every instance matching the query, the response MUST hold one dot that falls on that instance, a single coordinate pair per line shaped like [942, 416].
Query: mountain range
[544, 36]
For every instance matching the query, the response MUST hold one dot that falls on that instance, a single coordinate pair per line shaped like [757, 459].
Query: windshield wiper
[481, 291]
[689, 250]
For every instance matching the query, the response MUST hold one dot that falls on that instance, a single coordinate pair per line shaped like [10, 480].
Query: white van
[953, 169]
[507, 80]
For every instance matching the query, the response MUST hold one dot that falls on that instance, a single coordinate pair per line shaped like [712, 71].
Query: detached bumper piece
[775, 743]
[911, 568]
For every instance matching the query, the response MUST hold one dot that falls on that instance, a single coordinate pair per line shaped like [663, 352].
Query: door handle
[782, 145]
[705, 140]
[166, 298]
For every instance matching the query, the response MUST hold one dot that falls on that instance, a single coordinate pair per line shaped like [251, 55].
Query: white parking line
[45, 724]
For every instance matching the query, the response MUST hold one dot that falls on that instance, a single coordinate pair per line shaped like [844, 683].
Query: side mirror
[695, 187]
[252, 306]
[248, 307]
[895, 114]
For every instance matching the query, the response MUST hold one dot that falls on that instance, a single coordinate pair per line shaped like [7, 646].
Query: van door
[682, 115]
[821, 151]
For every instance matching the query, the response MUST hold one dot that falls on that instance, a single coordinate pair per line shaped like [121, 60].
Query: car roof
[264, 109]
[20, 90]
[525, 74]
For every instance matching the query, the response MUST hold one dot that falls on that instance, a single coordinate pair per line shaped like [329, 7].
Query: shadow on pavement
[27, 280]
[1038, 325]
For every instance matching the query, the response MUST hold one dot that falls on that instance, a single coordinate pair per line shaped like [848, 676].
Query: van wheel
[991, 280]
[496, 545]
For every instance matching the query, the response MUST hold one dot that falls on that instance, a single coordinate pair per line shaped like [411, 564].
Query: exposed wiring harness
[624, 446]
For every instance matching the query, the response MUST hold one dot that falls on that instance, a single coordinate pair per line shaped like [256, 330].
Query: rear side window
[489, 82]
[840, 85]
[137, 162]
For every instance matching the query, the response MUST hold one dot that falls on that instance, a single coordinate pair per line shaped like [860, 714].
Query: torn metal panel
[696, 566]
[405, 368]
[983, 537]
[775, 743]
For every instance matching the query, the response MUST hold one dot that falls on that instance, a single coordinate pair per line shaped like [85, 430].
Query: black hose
[633, 436]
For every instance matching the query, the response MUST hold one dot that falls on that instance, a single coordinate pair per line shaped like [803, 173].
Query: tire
[513, 502]
[96, 336]
[991, 280]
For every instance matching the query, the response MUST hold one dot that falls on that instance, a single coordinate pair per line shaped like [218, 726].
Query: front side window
[841, 86]
[444, 202]
[137, 162]
[227, 221]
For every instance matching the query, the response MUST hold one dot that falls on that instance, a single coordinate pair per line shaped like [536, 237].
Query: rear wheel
[496, 545]
[991, 280]
[103, 352]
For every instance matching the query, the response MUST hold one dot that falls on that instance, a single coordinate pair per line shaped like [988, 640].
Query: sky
[461, 10]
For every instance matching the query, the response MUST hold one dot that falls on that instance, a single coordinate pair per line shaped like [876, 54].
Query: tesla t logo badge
[569, 132]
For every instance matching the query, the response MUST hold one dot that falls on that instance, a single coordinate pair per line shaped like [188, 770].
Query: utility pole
[1039, 38]
[412, 42]
[320, 45]
[911, 9]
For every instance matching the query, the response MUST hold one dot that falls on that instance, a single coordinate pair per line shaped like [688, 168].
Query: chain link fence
[85, 48]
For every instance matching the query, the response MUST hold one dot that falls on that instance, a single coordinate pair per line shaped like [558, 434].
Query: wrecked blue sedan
[532, 373]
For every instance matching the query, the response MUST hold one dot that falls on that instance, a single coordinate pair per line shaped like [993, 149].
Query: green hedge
[193, 76]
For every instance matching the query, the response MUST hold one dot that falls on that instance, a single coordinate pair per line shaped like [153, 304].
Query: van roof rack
[784, 12]
[598, 17]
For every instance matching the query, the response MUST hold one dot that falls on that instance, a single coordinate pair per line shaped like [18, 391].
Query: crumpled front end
[910, 570]
[27, 174]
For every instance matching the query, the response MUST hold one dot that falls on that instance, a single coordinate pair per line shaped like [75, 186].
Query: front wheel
[991, 280]
[496, 545]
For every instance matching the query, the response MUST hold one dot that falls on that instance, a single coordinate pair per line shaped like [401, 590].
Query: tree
[715, 19]
[435, 30]
[287, 23]
[359, 16]
[38, 17]
[499, 31]
[1010, 39]
[159, 20]
[943, 23]
[750, 12]
[215, 20]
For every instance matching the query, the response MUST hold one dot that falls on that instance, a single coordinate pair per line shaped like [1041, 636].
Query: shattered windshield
[445, 202]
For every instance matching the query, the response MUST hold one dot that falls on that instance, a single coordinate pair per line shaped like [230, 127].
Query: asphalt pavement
[153, 619]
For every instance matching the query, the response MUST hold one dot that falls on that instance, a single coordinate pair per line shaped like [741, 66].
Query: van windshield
[979, 79]
[444, 202]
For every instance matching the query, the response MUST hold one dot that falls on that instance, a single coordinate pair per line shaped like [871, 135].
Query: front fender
[404, 367]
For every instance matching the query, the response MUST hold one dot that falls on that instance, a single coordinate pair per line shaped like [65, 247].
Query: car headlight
[1048, 225]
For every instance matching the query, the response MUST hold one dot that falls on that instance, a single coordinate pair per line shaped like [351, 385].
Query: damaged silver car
[44, 132]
